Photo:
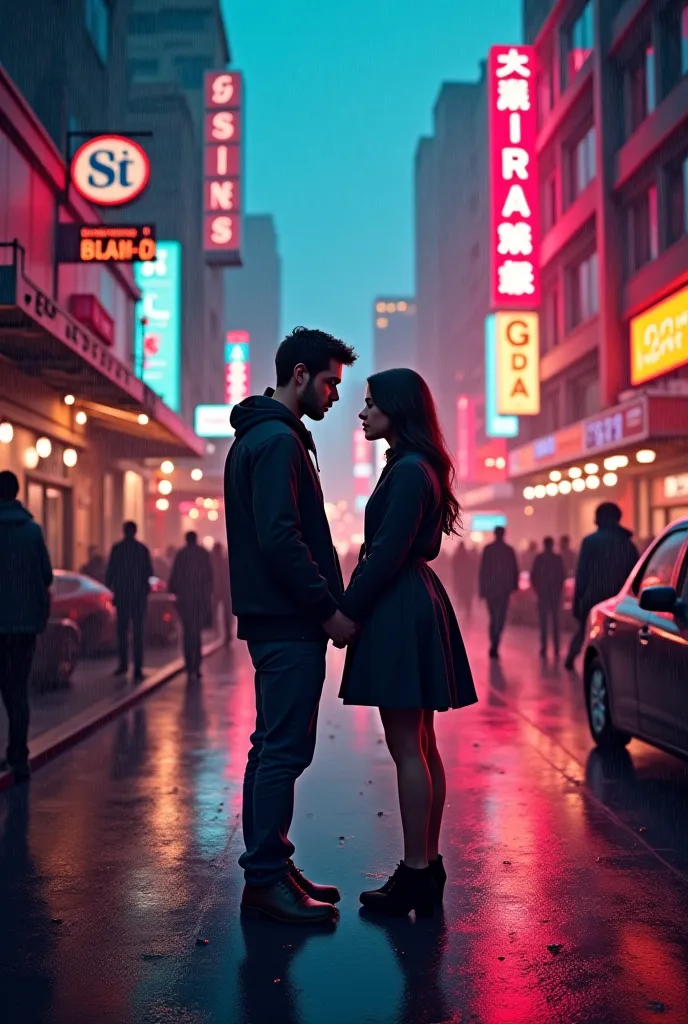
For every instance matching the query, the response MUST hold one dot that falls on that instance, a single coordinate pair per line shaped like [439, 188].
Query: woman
[408, 659]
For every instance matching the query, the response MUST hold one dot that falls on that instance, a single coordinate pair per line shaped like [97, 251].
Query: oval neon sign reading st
[110, 170]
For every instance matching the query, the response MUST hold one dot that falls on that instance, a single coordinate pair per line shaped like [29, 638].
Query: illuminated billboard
[222, 201]
[110, 170]
[213, 421]
[465, 437]
[659, 338]
[517, 359]
[158, 343]
[237, 368]
[495, 425]
[514, 200]
[105, 243]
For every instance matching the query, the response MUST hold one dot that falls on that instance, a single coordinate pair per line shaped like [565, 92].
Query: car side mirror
[658, 599]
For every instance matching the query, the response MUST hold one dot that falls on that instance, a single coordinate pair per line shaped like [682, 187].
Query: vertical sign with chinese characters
[515, 274]
[237, 367]
[222, 200]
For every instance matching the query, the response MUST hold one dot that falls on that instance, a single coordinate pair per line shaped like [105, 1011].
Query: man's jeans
[16, 655]
[497, 608]
[549, 611]
[289, 680]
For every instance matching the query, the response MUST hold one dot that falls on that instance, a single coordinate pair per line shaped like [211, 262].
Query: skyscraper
[394, 333]
[252, 298]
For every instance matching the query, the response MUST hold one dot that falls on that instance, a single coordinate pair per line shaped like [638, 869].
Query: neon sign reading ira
[514, 221]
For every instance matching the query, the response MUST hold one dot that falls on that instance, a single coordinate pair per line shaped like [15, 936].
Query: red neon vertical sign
[222, 200]
[514, 202]
[465, 437]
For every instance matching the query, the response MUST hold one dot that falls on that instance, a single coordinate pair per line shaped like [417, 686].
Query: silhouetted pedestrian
[96, 567]
[528, 557]
[222, 594]
[128, 577]
[547, 580]
[497, 581]
[568, 555]
[605, 560]
[25, 576]
[465, 567]
[191, 581]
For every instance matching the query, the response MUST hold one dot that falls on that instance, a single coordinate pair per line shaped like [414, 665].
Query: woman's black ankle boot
[440, 876]
[406, 890]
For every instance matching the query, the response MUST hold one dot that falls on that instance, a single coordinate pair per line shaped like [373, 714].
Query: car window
[659, 568]
[64, 585]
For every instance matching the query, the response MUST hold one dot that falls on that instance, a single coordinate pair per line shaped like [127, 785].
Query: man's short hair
[315, 349]
[130, 529]
[499, 532]
[9, 486]
[607, 512]
[191, 537]
[549, 543]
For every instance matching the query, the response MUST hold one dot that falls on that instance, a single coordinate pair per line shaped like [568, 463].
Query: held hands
[340, 630]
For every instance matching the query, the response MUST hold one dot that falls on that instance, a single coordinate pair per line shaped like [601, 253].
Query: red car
[90, 605]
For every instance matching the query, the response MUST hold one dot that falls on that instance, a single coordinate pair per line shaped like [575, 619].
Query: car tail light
[167, 617]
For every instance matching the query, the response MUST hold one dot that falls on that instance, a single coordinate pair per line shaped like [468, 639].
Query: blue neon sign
[160, 283]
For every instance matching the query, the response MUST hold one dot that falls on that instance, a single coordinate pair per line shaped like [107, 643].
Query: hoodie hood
[13, 513]
[260, 408]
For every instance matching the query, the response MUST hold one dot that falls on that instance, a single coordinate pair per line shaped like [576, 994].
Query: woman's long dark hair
[404, 396]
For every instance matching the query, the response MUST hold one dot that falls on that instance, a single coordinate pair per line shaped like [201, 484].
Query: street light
[143, 419]
[70, 458]
[529, 493]
[194, 513]
[44, 447]
[162, 504]
[165, 487]
[167, 467]
[81, 418]
[6, 432]
[31, 458]
[69, 399]
[197, 474]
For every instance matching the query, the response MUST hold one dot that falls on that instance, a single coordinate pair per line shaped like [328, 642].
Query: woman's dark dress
[409, 652]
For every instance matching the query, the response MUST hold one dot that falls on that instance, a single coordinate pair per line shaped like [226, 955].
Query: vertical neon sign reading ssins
[222, 201]
[514, 221]
[160, 282]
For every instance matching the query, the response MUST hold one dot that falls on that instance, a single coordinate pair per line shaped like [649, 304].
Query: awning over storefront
[46, 342]
[659, 418]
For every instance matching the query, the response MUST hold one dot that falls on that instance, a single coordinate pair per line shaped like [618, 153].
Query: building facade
[613, 168]
[394, 333]
[252, 298]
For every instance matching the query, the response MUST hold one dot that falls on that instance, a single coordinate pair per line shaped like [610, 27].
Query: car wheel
[599, 714]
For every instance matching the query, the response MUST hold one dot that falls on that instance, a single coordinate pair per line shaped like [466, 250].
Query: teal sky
[338, 93]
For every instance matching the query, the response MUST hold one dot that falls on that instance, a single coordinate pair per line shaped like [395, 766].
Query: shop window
[97, 15]
[678, 199]
[579, 42]
[584, 397]
[582, 165]
[545, 92]
[643, 230]
[550, 338]
[583, 291]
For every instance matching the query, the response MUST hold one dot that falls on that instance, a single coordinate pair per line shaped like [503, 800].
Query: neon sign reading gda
[514, 222]
[222, 200]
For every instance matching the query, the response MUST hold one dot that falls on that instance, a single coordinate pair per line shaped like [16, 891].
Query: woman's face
[376, 424]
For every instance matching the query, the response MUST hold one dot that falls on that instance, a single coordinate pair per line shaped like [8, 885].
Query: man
[222, 594]
[25, 576]
[604, 563]
[128, 574]
[286, 584]
[191, 581]
[497, 580]
[547, 580]
[568, 555]
[96, 566]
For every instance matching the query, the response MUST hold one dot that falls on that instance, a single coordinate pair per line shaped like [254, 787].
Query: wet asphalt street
[568, 871]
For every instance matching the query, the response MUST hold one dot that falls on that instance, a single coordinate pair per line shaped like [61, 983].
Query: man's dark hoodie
[25, 571]
[284, 571]
[604, 563]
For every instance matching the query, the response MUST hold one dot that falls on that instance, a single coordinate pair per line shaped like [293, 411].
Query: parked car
[90, 605]
[636, 655]
[57, 655]
[523, 609]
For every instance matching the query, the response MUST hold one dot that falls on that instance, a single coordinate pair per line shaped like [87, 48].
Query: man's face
[318, 394]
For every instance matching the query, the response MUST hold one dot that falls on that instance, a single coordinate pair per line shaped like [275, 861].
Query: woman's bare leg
[438, 780]
[404, 734]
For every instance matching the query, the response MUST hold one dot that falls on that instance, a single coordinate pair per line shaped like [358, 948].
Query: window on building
[185, 19]
[545, 91]
[97, 16]
[190, 70]
[678, 199]
[583, 293]
[550, 338]
[582, 166]
[579, 42]
[549, 202]
[641, 92]
[142, 23]
[584, 397]
[142, 70]
[643, 230]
